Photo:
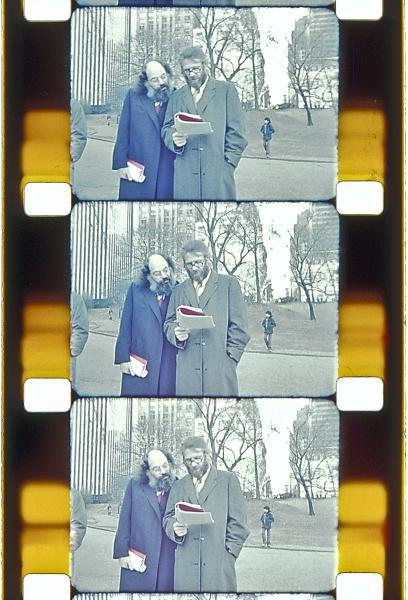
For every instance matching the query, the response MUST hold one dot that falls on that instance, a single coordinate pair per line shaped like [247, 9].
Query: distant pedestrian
[110, 313]
[267, 131]
[268, 325]
[266, 524]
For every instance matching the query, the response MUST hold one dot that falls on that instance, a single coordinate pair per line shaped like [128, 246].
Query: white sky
[277, 23]
[279, 412]
[282, 216]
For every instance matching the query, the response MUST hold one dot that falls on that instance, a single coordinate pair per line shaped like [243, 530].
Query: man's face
[196, 265]
[159, 270]
[196, 462]
[193, 71]
[159, 471]
[157, 78]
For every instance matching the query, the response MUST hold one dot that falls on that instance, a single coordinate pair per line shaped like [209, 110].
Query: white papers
[138, 366]
[192, 514]
[191, 317]
[189, 124]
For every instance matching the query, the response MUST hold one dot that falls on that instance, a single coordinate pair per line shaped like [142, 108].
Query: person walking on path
[266, 524]
[268, 325]
[267, 131]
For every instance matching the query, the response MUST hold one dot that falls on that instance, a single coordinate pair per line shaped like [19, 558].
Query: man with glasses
[206, 554]
[141, 332]
[207, 359]
[140, 528]
[143, 163]
[205, 164]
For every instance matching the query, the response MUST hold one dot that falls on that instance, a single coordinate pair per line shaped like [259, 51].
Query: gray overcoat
[206, 362]
[205, 556]
[204, 167]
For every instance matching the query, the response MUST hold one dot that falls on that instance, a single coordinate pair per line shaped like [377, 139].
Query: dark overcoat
[141, 333]
[140, 528]
[205, 557]
[139, 139]
[204, 167]
[207, 360]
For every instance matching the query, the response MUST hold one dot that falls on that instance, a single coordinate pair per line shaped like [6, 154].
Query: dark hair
[194, 53]
[267, 119]
[267, 508]
[145, 464]
[140, 86]
[143, 281]
[194, 442]
[268, 312]
[194, 246]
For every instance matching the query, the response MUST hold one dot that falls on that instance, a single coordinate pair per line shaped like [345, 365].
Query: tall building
[88, 55]
[314, 254]
[90, 250]
[314, 49]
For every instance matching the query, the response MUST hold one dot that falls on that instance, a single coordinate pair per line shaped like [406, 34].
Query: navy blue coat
[139, 139]
[141, 333]
[140, 527]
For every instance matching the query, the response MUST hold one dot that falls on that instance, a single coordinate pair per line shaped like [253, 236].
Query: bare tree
[312, 262]
[305, 72]
[235, 236]
[233, 46]
[312, 457]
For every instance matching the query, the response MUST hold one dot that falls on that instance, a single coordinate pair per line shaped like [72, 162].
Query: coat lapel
[210, 484]
[152, 498]
[209, 93]
[151, 300]
[190, 293]
[190, 490]
[209, 290]
[150, 110]
[191, 106]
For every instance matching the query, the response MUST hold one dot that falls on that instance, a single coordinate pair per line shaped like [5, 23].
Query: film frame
[370, 310]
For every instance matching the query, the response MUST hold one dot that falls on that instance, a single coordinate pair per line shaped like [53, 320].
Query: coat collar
[209, 290]
[207, 96]
[151, 496]
[209, 485]
[151, 301]
[148, 105]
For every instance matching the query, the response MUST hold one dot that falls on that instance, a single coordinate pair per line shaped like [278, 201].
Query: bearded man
[141, 332]
[139, 141]
[140, 528]
[207, 359]
[206, 554]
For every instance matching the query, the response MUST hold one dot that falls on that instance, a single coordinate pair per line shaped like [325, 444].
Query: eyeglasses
[195, 70]
[195, 263]
[159, 470]
[194, 459]
[162, 77]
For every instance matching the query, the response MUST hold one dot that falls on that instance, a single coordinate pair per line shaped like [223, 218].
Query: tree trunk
[254, 82]
[256, 473]
[308, 497]
[258, 285]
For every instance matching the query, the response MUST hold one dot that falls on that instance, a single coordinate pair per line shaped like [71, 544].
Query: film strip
[36, 474]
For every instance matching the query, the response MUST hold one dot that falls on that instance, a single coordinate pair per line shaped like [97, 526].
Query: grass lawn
[294, 331]
[292, 137]
[293, 526]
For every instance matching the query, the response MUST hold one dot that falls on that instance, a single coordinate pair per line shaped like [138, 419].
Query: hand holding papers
[188, 124]
[191, 317]
[138, 366]
[192, 514]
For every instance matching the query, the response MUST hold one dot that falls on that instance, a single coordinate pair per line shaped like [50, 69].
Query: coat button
[201, 539]
[201, 149]
[203, 343]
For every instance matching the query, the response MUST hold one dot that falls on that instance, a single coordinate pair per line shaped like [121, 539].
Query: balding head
[158, 470]
[157, 78]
